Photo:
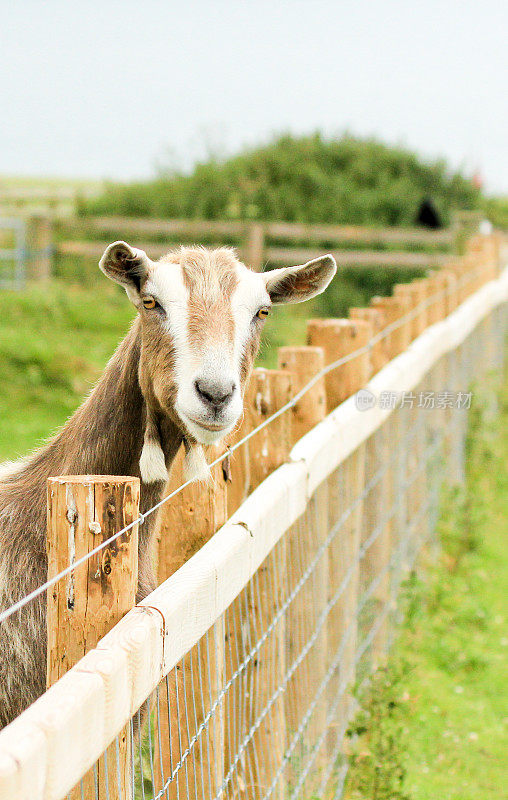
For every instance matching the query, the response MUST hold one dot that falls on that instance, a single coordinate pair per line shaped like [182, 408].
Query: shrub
[310, 178]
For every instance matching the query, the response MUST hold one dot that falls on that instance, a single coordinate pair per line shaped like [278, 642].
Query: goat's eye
[149, 301]
[263, 313]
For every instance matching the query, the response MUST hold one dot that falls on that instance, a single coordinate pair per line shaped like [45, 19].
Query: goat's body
[180, 372]
[104, 436]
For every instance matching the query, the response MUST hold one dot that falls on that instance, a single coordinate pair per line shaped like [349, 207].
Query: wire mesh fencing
[260, 705]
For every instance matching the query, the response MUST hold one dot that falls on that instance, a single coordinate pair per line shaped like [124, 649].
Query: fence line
[276, 243]
[259, 243]
[373, 341]
[273, 230]
[258, 636]
[280, 256]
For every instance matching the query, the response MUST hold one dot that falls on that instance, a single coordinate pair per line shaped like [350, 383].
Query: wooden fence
[279, 580]
[259, 244]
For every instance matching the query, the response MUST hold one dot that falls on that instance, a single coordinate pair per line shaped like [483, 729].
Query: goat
[177, 378]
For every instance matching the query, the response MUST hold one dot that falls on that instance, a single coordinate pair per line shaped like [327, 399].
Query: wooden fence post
[302, 542]
[434, 298]
[84, 511]
[239, 466]
[451, 300]
[377, 319]
[255, 246]
[440, 287]
[376, 538]
[458, 268]
[416, 295]
[471, 267]
[500, 243]
[272, 389]
[339, 338]
[425, 285]
[268, 391]
[485, 249]
[187, 522]
[420, 298]
[394, 309]
[39, 242]
[304, 363]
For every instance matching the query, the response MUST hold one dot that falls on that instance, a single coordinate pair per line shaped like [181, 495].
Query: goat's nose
[215, 393]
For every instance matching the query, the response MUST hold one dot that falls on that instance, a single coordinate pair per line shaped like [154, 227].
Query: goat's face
[202, 312]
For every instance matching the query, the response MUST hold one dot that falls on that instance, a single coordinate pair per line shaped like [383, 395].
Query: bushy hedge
[496, 209]
[305, 179]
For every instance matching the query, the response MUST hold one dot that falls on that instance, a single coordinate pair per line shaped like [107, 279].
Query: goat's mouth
[204, 431]
[209, 426]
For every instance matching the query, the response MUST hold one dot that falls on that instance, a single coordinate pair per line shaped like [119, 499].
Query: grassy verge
[54, 342]
[434, 724]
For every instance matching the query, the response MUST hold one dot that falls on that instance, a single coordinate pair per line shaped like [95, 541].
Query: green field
[434, 725]
[54, 342]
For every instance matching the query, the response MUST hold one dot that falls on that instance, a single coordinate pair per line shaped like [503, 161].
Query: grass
[434, 723]
[54, 343]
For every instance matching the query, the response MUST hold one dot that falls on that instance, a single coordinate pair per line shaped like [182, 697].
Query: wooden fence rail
[259, 243]
[279, 256]
[289, 231]
[276, 578]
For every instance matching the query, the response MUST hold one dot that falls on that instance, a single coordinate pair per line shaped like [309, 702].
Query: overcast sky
[105, 88]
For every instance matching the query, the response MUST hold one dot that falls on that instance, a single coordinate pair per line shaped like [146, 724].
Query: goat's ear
[296, 284]
[126, 265]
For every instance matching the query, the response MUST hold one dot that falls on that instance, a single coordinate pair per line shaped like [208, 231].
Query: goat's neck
[105, 435]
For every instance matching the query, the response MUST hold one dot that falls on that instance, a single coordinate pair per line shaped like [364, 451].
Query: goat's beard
[195, 467]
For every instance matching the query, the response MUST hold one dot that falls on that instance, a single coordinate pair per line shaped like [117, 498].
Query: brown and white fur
[177, 377]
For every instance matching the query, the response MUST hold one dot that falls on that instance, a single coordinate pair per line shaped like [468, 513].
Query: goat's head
[202, 312]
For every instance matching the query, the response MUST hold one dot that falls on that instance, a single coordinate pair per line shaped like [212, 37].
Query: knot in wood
[226, 469]
[71, 515]
[106, 565]
[94, 527]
